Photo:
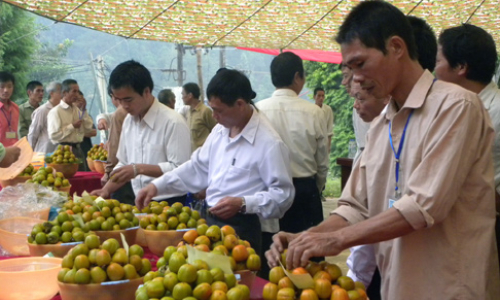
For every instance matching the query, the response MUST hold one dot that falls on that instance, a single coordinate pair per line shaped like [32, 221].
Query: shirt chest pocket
[236, 176]
[154, 153]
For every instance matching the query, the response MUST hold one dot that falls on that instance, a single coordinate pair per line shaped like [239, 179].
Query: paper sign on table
[301, 281]
[19, 165]
[212, 259]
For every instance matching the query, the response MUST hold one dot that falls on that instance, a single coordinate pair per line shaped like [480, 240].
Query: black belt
[304, 178]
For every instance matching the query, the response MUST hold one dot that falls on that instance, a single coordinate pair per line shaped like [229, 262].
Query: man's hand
[227, 207]
[312, 244]
[102, 193]
[145, 196]
[122, 175]
[11, 156]
[102, 124]
[280, 243]
[77, 124]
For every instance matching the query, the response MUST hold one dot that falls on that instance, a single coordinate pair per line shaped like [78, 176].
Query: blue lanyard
[398, 154]
[80, 116]
[9, 119]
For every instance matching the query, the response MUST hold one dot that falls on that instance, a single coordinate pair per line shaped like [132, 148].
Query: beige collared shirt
[38, 135]
[200, 122]
[329, 119]
[446, 178]
[60, 124]
[301, 126]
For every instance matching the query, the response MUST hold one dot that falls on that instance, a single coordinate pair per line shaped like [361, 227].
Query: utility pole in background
[222, 57]
[180, 71]
[199, 67]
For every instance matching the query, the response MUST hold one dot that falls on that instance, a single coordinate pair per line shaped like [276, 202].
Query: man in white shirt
[301, 127]
[38, 135]
[467, 56]
[319, 99]
[67, 124]
[154, 138]
[243, 164]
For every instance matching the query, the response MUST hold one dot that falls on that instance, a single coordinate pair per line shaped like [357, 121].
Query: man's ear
[146, 91]
[397, 46]
[462, 69]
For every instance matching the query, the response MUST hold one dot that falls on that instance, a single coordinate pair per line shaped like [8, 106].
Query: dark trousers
[306, 210]
[247, 227]
[267, 240]
[181, 199]
[125, 194]
[373, 290]
[497, 233]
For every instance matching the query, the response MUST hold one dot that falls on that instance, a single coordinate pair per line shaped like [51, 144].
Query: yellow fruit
[115, 272]
[187, 273]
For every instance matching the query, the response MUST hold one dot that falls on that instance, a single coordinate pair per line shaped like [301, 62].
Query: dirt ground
[329, 205]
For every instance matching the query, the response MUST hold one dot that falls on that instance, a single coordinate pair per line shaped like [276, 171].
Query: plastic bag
[29, 200]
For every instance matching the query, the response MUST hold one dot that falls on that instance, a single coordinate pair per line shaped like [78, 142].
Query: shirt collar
[417, 95]
[10, 103]
[198, 106]
[150, 116]
[488, 94]
[284, 92]
[65, 105]
[249, 131]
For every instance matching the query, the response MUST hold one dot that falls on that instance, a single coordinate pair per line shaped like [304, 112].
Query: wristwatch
[243, 208]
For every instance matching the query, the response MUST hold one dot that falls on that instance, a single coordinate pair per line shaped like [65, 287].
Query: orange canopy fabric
[272, 24]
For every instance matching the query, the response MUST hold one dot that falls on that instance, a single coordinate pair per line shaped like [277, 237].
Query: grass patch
[332, 188]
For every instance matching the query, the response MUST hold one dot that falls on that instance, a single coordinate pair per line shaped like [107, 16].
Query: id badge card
[10, 135]
[393, 200]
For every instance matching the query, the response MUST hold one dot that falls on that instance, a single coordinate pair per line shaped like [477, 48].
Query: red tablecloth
[85, 181]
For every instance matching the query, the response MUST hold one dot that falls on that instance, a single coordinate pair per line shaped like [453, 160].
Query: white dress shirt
[490, 96]
[254, 164]
[161, 138]
[301, 127]
[360, 132]
[38, 135]
[60, 124]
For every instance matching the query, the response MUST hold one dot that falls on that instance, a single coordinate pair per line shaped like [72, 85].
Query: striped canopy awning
[274, 24]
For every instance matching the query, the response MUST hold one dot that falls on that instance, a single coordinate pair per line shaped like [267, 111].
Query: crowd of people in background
[419, 207]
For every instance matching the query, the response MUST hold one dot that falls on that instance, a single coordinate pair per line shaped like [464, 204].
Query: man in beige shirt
[430, 212]
[319, 99]
[199, 117]
[67, 124]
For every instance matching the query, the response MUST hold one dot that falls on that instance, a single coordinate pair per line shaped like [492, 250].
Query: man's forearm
[385, 226]
[149, 170]
[332, 223]
[112, 186]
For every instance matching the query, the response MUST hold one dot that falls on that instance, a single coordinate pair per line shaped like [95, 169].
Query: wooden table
[345, 169]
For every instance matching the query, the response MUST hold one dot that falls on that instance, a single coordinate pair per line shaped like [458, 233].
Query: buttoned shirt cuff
[414, 214]
[252, 206]
[71, 127]
[351, 215]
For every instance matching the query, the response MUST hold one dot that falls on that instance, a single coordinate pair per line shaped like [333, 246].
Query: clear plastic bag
[29, 200]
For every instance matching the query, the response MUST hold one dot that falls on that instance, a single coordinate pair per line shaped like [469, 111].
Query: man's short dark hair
[472, 46]
[283, 69]
[32, 85]
[166, 96]
[66, 85]
[6, 77]
[131, 74]
[373, 23]
[316, 90]
[229, 86]
[426, 42]
[192, 88]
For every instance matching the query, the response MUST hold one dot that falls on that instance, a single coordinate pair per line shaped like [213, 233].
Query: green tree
[329, 77]
[48, 64]
[17, 45]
